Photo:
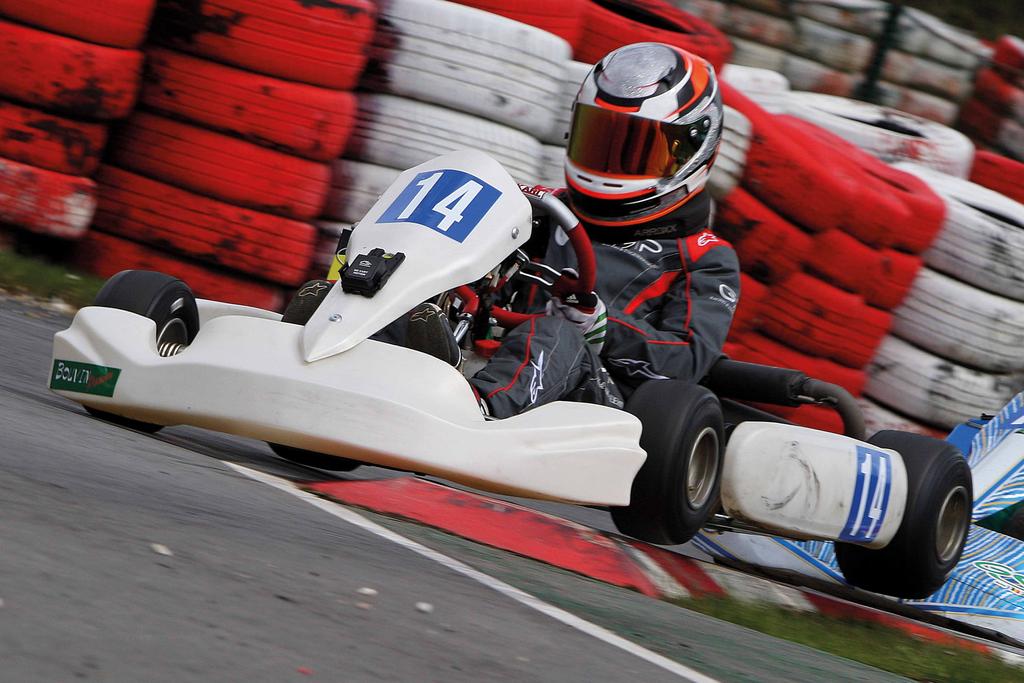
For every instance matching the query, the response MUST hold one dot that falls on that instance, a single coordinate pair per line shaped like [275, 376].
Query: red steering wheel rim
[586, 265]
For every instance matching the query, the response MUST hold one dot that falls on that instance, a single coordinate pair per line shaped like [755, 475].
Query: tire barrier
[609, 24]
[67, 70]
[221, 166]
[210, 231]
[319, 43]
[877, 418]
[769, 247]
[826, 47]
[104, 255]
[45, 202]
[932, 389]
[732, 154]
[994, 116]
[887, 134]
[299, 119]
[769, 89]
[999, 173]
[961, 323]
[66, 75]
[463, 59]
[563, 18]
[573, 76]
[400, 133]
[115, 23]
[982, 238]
[49, 141]
[355, 186]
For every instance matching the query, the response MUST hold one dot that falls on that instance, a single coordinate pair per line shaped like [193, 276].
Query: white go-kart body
[326, 387]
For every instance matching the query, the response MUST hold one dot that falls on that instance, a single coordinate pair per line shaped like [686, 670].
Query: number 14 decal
[448, 201]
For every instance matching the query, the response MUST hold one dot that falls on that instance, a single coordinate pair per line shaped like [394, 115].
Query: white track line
[519, 596]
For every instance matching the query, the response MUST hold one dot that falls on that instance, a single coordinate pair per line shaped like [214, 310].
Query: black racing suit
[670, 302]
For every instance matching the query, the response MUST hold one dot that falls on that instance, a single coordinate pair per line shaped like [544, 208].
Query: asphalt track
[127, 557]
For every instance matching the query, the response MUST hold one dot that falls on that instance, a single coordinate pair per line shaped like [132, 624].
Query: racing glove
[586, 311]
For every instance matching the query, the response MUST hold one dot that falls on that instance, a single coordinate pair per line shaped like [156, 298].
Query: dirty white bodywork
[809, 484]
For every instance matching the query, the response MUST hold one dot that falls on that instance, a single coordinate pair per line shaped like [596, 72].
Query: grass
[43, 279]
[871, 644]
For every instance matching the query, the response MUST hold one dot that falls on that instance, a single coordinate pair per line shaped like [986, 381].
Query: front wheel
[676, 491]
[165, 300]
[920, 557]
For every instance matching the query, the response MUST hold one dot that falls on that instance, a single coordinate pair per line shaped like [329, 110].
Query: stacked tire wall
[67, 72]
[994, 116]
[218, 176]
[828, 47]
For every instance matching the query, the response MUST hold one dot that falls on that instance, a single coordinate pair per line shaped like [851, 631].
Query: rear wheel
[937, 517]
[165, 300]
[300, 309]
[676, 491]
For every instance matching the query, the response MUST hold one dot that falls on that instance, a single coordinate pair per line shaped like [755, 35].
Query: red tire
[45, 202]
[563, 18]
[67, 75]
[820, 319]
[1009, 53]
[748, 309]
[609, 24]
[104, 255]
[117, 23]
[304, 120]
[769, 247]
[320, 42]
[882, 276]
[757, 348]
[980, 121]
[999, 173]
[48, 141]
[999, 93]
[147, 211]
[222, 167]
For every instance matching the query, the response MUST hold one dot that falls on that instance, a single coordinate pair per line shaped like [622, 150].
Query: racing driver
[645, 131]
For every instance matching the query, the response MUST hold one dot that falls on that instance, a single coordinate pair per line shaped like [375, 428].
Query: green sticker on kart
[84, 378]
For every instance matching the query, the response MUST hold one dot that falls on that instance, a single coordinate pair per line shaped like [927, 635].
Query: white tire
[709, 10]
[928, 36]
[749, 53]
[877, 417]
[832, 46]
[865, 17]
[982, 237]
[355, 187]
[917, 103]
[964, 324]
[875, 130]
[552, 172]
[471, 60]
[1011, 138]
[732, 154]
[807, 75]
[761, 28]
[921, 73]
[933, 389]
[765, 87]
[400, 133]
[573, 75]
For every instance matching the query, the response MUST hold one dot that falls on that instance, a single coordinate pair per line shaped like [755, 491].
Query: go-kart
[680, 456]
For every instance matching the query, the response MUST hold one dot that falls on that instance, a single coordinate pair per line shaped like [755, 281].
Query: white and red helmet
[645, 131]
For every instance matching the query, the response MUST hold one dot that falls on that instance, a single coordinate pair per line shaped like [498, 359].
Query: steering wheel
[563, 284]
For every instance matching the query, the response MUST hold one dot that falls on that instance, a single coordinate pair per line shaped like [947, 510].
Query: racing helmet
[645, 131]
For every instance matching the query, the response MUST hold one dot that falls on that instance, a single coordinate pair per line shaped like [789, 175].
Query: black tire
[165, 300]
[300, 309]
[672, 499]
[313, 459]
[931, 537]
[307, 299]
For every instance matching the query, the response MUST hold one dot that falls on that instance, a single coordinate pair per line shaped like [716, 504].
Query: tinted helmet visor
[614, 143]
